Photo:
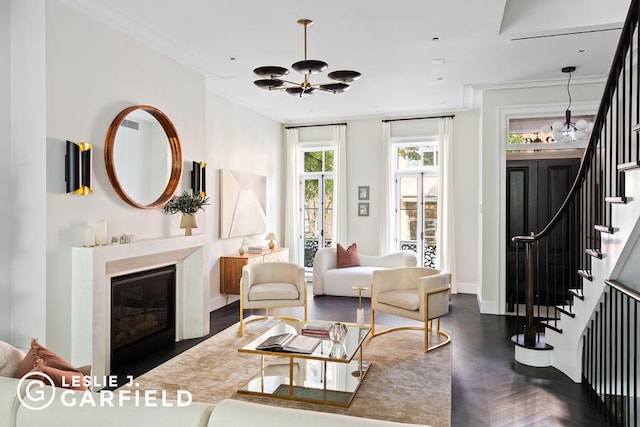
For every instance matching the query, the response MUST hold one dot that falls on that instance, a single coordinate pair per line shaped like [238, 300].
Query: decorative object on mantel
[186, 204]
[272, 75]
[568, 131]
[88, 237]
[199, 178]
[77, 168]
[271, 237]
[101, 232]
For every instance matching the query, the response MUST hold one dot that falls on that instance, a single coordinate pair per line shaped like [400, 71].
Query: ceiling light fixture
[568, 131]
[272, 75]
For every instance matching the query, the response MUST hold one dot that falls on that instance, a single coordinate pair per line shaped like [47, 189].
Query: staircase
[594, 337]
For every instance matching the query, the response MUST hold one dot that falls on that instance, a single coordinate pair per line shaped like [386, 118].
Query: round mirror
[143, 157]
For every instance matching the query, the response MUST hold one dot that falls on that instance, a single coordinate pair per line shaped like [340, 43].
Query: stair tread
[596, 253]
[567, 309]
[553, 325]
[578, 293]
[586, 274]
[605, 228]
[623, 167]
[616, 199]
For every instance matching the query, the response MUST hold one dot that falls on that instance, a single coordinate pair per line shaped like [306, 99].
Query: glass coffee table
[330, 375]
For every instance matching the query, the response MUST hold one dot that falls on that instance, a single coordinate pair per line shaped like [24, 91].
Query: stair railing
[610, 355]
[572, 237]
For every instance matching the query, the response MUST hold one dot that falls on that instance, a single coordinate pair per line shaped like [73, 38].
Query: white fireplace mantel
[92, 269]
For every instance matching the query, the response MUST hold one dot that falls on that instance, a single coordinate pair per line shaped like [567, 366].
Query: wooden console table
[231, 267]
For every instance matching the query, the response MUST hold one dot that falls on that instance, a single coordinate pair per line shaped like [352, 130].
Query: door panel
[535, 191]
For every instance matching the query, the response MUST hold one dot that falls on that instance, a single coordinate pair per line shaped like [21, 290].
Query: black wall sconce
[77, 168]
[199, 178]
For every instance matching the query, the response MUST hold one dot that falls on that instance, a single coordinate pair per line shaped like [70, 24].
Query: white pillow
[10, 358]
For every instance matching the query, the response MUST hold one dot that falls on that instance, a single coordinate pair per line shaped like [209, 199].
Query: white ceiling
[484, 44]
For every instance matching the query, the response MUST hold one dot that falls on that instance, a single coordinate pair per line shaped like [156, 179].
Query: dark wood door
[535, 192]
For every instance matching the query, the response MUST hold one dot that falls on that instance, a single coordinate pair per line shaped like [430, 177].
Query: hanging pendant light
[272, 75]
[568, 131]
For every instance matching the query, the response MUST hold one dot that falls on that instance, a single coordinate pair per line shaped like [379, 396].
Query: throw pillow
[61, 378]
[41, 359]
[347, 257]
[10, 358]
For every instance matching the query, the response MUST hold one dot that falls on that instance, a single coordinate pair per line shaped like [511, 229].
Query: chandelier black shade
[272, 75]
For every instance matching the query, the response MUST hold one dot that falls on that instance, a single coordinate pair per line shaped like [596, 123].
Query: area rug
[403, 384]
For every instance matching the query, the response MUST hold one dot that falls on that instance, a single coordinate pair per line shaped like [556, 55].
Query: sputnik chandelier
[272, 75]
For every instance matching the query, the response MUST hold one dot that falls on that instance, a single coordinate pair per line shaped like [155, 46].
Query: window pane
[408, 157]
[313, 161]
[328, 161]
[430, 222]
[430, 187]
[311, 223]
[408, 210]
[429, 158]
[328, 212]
[538, 129]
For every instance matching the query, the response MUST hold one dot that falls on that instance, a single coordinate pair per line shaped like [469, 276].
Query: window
[416, 195]
[537, 130]
[316, 189]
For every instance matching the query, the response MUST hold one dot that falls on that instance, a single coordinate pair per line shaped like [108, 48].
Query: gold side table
[360, 310]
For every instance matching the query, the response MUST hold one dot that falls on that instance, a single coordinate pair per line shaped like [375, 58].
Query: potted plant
[187, 204]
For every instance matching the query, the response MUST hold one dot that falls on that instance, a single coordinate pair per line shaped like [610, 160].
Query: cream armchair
[413, 292]
[271, 285]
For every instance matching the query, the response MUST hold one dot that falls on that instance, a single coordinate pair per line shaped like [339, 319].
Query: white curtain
[387, 215]
[445, 254]
[340, 185]
[292, 216]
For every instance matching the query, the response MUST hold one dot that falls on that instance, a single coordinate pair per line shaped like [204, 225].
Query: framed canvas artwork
[243, 204]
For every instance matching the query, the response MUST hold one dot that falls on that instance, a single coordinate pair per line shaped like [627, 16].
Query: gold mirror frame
[176, 156]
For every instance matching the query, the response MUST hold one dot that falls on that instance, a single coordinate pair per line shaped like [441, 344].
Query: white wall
[28, 210]
[94, 72]
[466, 149]
[241, 140]
[492, 181]
[5, 183]
[364, 157]
[91, 72]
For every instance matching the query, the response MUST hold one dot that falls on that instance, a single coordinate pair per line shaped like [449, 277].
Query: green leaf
[185, 203]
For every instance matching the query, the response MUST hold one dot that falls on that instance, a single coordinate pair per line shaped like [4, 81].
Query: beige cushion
[10, 358]
[407, 299]
[273, 291]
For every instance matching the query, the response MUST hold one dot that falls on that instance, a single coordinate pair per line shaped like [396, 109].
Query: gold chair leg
[241, 319]
[373, 322]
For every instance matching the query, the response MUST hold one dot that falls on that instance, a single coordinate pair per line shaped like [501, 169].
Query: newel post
[529, 323]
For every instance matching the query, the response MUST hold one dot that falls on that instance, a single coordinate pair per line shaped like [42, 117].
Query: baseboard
[220, 301]
[487, 307]
[466, 288]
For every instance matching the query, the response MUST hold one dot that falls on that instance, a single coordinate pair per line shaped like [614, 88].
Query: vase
[337, 335]
[188, 221]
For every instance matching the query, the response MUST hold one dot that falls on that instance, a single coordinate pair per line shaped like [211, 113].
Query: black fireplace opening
[143, 314]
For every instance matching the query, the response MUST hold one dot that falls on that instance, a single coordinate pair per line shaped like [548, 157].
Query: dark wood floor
[488, 387]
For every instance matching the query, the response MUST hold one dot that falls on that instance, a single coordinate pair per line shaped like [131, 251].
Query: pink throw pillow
[347, 257]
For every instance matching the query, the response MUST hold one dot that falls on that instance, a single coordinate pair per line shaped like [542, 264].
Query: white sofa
[329, 280]
[14, 412]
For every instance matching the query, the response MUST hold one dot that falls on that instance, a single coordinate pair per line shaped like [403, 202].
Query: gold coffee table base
[331, 375]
